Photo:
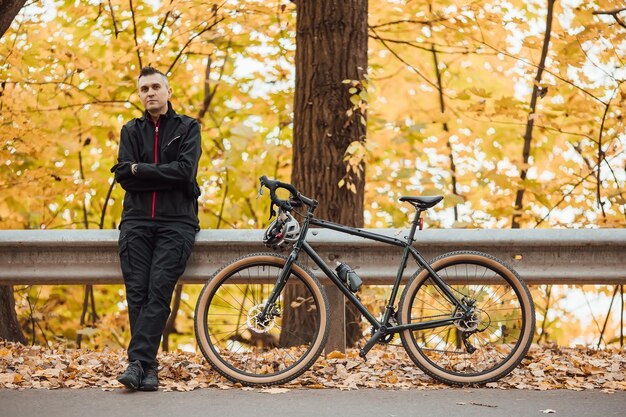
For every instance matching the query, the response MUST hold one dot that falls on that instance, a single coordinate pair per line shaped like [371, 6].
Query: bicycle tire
[501, 331]
[260, 354]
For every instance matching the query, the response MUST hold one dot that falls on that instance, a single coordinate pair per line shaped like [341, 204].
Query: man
[157, 166]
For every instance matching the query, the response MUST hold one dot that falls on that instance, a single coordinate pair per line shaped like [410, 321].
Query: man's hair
[151, 70]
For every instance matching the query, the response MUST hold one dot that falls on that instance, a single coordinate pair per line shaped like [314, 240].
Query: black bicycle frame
[380, 329]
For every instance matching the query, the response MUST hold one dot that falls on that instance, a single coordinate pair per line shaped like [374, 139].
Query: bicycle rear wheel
[477, 349]
[244, 348]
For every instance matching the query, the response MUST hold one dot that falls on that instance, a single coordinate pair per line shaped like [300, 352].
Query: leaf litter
[387, 367]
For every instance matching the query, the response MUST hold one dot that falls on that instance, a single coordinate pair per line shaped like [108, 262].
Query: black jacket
[164, 187]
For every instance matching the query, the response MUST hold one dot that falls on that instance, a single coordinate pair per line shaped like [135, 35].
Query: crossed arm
[157, 177]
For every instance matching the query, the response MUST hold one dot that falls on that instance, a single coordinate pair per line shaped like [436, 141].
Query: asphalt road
[301, 403]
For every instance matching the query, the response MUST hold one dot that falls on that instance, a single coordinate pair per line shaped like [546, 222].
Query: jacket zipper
[156, 160]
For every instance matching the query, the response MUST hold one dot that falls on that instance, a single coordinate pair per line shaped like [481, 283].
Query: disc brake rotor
[471, 321]
[255, 324]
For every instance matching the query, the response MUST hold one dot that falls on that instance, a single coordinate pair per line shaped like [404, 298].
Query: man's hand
[123, 170]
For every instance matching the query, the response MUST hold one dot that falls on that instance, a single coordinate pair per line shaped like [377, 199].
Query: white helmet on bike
[282, 232]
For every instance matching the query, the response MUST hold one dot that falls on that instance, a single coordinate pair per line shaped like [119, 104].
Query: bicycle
[464, 318]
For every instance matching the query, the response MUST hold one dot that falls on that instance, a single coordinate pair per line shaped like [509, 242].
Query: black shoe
[150, 380]
[131, 378]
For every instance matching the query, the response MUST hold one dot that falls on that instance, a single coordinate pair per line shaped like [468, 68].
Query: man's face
[153, 93]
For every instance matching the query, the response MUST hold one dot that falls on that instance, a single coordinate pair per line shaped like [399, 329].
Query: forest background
[512, 109]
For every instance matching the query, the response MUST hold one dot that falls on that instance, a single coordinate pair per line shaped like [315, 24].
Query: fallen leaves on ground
[546, 367]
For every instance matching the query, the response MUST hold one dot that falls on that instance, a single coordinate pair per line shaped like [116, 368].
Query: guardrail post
[337, 304]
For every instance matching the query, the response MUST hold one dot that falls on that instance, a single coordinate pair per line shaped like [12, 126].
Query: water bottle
[349, 277]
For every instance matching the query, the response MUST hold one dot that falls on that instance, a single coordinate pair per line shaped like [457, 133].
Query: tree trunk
[331, 46]
[9, 326]
[8, 10]
[331, 39]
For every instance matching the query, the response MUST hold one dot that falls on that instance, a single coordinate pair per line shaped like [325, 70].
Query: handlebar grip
[283, 204]
[273, 185]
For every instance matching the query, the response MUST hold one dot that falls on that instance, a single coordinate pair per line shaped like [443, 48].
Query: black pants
[153, 255]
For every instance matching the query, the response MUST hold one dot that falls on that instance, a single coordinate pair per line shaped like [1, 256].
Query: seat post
[414, 224]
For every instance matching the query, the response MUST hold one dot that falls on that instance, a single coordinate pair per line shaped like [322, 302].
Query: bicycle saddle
[422, 203]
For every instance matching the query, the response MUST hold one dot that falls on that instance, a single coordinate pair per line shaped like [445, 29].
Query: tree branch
[602, 156]
[167, 15]
[57, 83]
[106, 203]
[221, 213]
[132, 12]
[528, 135]
[463, 51]
[555, 75]
[97, 102]
[208, 92]
[117, 31]
[615, 13]
[180, 53]
[399, 58]
[442, 109]
[564, 197]
[411, 21]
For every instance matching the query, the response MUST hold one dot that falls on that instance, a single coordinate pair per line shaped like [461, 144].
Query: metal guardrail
[540, 256]
[588, 256]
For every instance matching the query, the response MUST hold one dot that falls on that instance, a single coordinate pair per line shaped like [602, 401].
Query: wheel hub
[471, 319]
[257, 324]
[470, 322]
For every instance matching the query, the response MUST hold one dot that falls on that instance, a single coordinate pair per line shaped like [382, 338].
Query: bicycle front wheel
[248, 349]
[474, 349]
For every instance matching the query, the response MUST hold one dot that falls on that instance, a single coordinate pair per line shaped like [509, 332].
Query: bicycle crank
[387, 337]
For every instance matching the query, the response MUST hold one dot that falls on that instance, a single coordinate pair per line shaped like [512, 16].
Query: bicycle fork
[269, 309]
